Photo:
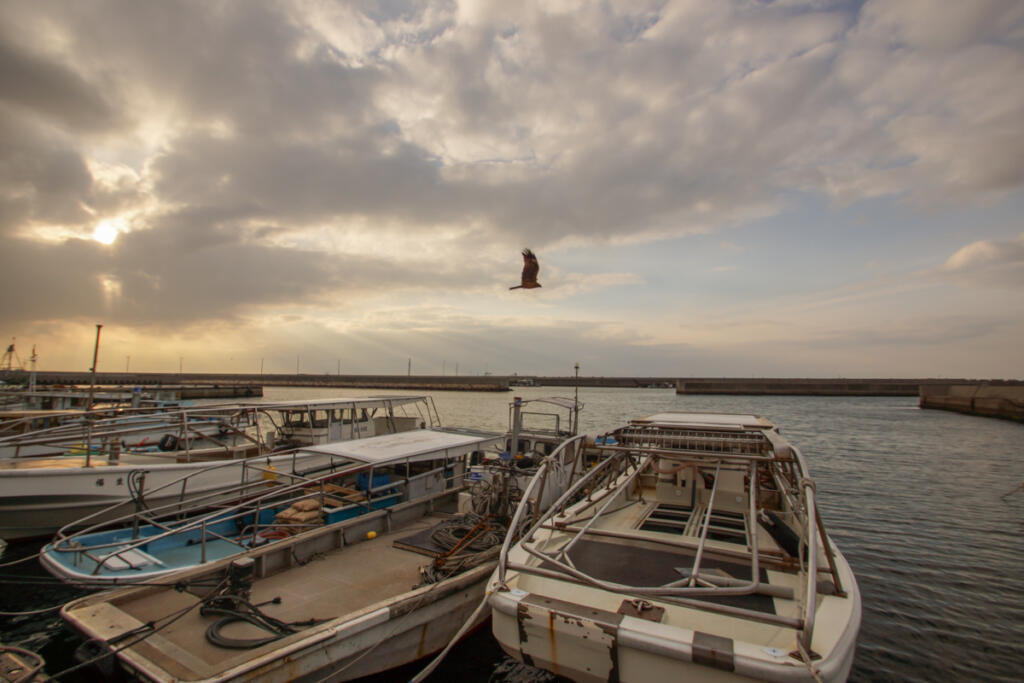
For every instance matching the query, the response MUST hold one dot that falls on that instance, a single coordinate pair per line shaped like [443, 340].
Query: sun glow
[107, 230]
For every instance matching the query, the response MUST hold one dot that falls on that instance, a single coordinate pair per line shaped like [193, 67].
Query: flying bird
[530, 270]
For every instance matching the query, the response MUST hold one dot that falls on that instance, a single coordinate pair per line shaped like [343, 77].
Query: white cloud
[988, 263]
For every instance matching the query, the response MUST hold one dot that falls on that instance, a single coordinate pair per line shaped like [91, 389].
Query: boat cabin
[304, 423]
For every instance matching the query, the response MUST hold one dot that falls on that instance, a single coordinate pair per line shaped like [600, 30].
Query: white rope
[418, 678]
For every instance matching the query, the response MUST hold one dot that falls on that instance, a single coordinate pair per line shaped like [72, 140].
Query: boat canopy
[706, 419]
[339, 402]
[419, 444]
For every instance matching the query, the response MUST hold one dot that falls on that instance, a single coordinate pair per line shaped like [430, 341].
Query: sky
[799, 188]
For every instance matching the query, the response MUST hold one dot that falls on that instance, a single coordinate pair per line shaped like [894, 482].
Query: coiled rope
[454, 531]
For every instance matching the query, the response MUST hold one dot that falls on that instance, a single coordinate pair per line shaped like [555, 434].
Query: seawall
[402, 382]
[800, 387]
[1003, 400]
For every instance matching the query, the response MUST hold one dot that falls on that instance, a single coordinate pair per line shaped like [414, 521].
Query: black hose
[234, 608]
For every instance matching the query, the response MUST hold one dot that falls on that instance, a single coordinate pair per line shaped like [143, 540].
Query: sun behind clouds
[107, 230]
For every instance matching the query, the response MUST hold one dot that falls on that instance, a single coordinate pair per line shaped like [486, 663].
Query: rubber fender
[780, 531]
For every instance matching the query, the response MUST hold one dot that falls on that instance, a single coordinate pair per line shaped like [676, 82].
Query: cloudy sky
[793, 188]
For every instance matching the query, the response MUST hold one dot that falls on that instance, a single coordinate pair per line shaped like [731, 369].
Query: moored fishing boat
[694, 551]
[343, 600]
[342, 480]
[92, 470]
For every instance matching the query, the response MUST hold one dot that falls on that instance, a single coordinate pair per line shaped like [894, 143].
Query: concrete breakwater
[801, 387]
[257, 380]
[989, 399]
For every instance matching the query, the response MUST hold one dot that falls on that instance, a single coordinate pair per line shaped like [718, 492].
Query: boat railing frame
[795, 485]
[99, 428]
[284, 493]
[247, 467]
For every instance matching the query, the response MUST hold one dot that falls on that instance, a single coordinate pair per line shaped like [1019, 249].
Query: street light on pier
[92, 370]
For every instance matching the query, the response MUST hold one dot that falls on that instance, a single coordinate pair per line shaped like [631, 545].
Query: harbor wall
[258, 381]
[934, 392]
[1003, 400]
[800, 387]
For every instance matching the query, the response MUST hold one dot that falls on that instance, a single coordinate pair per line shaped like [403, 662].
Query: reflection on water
[912, 497]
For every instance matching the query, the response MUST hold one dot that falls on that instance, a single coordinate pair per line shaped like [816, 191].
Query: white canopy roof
[418, 444]
[340, 402]
[707, 420]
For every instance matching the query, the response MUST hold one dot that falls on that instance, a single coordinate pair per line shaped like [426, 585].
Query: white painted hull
[148, 438]
[587, 645]
[378, 639]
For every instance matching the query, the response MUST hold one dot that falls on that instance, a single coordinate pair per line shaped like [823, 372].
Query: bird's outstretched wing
[530, 270]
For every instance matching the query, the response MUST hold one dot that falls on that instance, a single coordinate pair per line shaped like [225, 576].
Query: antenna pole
[32, 376]
[576, 398]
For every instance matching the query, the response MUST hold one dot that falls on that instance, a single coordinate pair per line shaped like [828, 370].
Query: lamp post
[92, 370]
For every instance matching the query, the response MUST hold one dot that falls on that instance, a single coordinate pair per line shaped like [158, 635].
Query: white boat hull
[589, 645]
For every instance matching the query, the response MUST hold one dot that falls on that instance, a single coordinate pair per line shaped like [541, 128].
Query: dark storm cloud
[41, 178]
[302, 182]
[45, 87]
[153, 278]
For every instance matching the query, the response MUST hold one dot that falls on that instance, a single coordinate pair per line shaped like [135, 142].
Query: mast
[32, 375]
[10, 357]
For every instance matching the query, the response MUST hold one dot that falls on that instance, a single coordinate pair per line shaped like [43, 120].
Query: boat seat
[129, 559]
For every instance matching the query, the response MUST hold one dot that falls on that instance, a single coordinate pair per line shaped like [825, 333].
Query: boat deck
[634, 565]
[654, 558]
[636, 553]
[127, 461]
[321, 586]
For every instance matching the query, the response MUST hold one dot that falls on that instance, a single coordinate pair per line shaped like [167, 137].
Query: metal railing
[172, 519]
[198, 426]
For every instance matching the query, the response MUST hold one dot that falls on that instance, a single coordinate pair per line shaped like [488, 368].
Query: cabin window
[421, 467]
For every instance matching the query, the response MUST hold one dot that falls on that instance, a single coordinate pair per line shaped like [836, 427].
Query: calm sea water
[912, 497]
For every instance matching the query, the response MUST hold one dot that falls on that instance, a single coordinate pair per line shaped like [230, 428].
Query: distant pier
[950, 394]
[219, 385]
[1003, 400]
[801, 387]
